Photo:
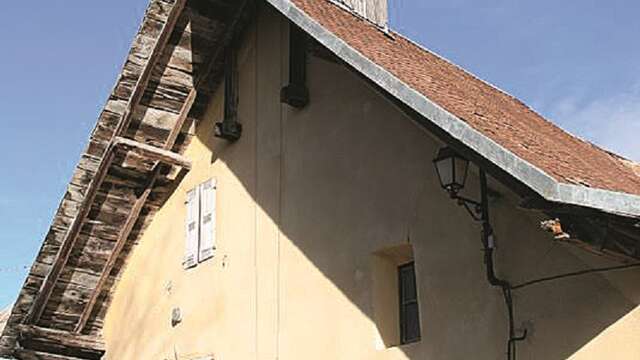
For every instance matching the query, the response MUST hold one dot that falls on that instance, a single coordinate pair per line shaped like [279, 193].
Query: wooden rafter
[61, 339]
[152, 153]
[72, 234]
[137, 208]
[129, 224]
[25, 354]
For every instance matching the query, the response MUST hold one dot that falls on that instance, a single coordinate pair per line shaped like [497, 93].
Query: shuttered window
[207, 220]
[192, 229]
[200, 223]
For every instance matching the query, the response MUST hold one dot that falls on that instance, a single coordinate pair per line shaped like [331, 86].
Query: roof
[556, 164]
[133, 158]
[4, 317]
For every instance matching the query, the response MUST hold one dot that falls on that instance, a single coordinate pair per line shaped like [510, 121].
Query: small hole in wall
[176, 316]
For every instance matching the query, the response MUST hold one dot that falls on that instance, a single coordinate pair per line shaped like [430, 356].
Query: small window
[408, 301]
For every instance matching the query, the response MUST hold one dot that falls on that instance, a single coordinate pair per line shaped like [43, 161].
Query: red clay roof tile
[497, 115]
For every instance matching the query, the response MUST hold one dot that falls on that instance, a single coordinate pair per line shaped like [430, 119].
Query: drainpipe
[489, 246]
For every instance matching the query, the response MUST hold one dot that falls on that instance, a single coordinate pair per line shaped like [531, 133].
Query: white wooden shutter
[207, 220]
[192, 228]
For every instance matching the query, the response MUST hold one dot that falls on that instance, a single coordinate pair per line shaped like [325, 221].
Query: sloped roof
[499, 116]
[4, 317]
[558, 165]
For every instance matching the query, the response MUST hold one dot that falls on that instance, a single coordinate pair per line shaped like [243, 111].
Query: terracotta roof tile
[499, 116]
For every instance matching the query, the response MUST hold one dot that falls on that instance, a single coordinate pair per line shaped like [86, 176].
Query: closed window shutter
[192, 228]
[207, 220]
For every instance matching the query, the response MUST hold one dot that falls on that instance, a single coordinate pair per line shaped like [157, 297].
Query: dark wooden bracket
[296, 94]
[229, 128]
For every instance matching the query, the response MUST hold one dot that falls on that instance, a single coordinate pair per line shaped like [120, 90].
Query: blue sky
[576, 61]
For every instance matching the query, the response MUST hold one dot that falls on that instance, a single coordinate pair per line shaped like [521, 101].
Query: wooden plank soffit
[70, 238]
[137, 208]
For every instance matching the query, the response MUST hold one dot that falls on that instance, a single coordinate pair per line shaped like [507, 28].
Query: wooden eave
[132, 163]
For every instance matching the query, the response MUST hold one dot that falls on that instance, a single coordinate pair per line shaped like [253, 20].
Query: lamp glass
[452, 170]
[461, 168]
[444, 168]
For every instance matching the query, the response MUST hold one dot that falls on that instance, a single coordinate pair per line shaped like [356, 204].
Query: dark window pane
[408, 283]
[412, 326]
[409, 313]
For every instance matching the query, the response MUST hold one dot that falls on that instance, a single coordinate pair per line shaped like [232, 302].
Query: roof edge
[549, 188]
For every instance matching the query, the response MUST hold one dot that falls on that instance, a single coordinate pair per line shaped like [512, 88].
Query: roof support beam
[123, 236]
[296, 94]
[138, 206]
[39, 355]
[72, 234]
[129, 224]
[60, 342]
[152, 152]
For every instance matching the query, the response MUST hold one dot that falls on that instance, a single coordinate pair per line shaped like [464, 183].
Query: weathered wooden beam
[72, 234]
[69, 241]
[296, 94]
[138, 206]
[130, 223]
[152, 153]
[143, 81]
[229, 128]
[134, 215]
[115, 253]
[61, 343]
[61, 338]
[24, 354]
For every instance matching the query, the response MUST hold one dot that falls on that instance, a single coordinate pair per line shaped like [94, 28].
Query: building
[4, 316]
[262, 184]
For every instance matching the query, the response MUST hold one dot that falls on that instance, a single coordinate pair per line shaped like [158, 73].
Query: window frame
[404, 302]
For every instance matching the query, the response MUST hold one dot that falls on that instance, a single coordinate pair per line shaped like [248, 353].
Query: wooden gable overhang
[130, 166]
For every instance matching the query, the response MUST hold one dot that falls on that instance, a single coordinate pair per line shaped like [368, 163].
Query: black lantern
[452, 170]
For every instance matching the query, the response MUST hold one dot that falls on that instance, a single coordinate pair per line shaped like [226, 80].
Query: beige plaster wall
[305, 201]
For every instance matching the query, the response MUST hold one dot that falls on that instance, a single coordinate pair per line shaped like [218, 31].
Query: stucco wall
[305, 199]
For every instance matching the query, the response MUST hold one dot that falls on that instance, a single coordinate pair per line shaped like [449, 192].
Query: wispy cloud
[612, 122]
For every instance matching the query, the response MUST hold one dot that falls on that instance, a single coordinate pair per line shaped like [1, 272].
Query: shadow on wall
[348, 178]
[354, 177]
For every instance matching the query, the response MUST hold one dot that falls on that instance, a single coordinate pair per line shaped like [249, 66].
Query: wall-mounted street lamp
[452, 170]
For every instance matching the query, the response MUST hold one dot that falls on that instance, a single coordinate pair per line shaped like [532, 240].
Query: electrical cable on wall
[452, 170]
[574, 274]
